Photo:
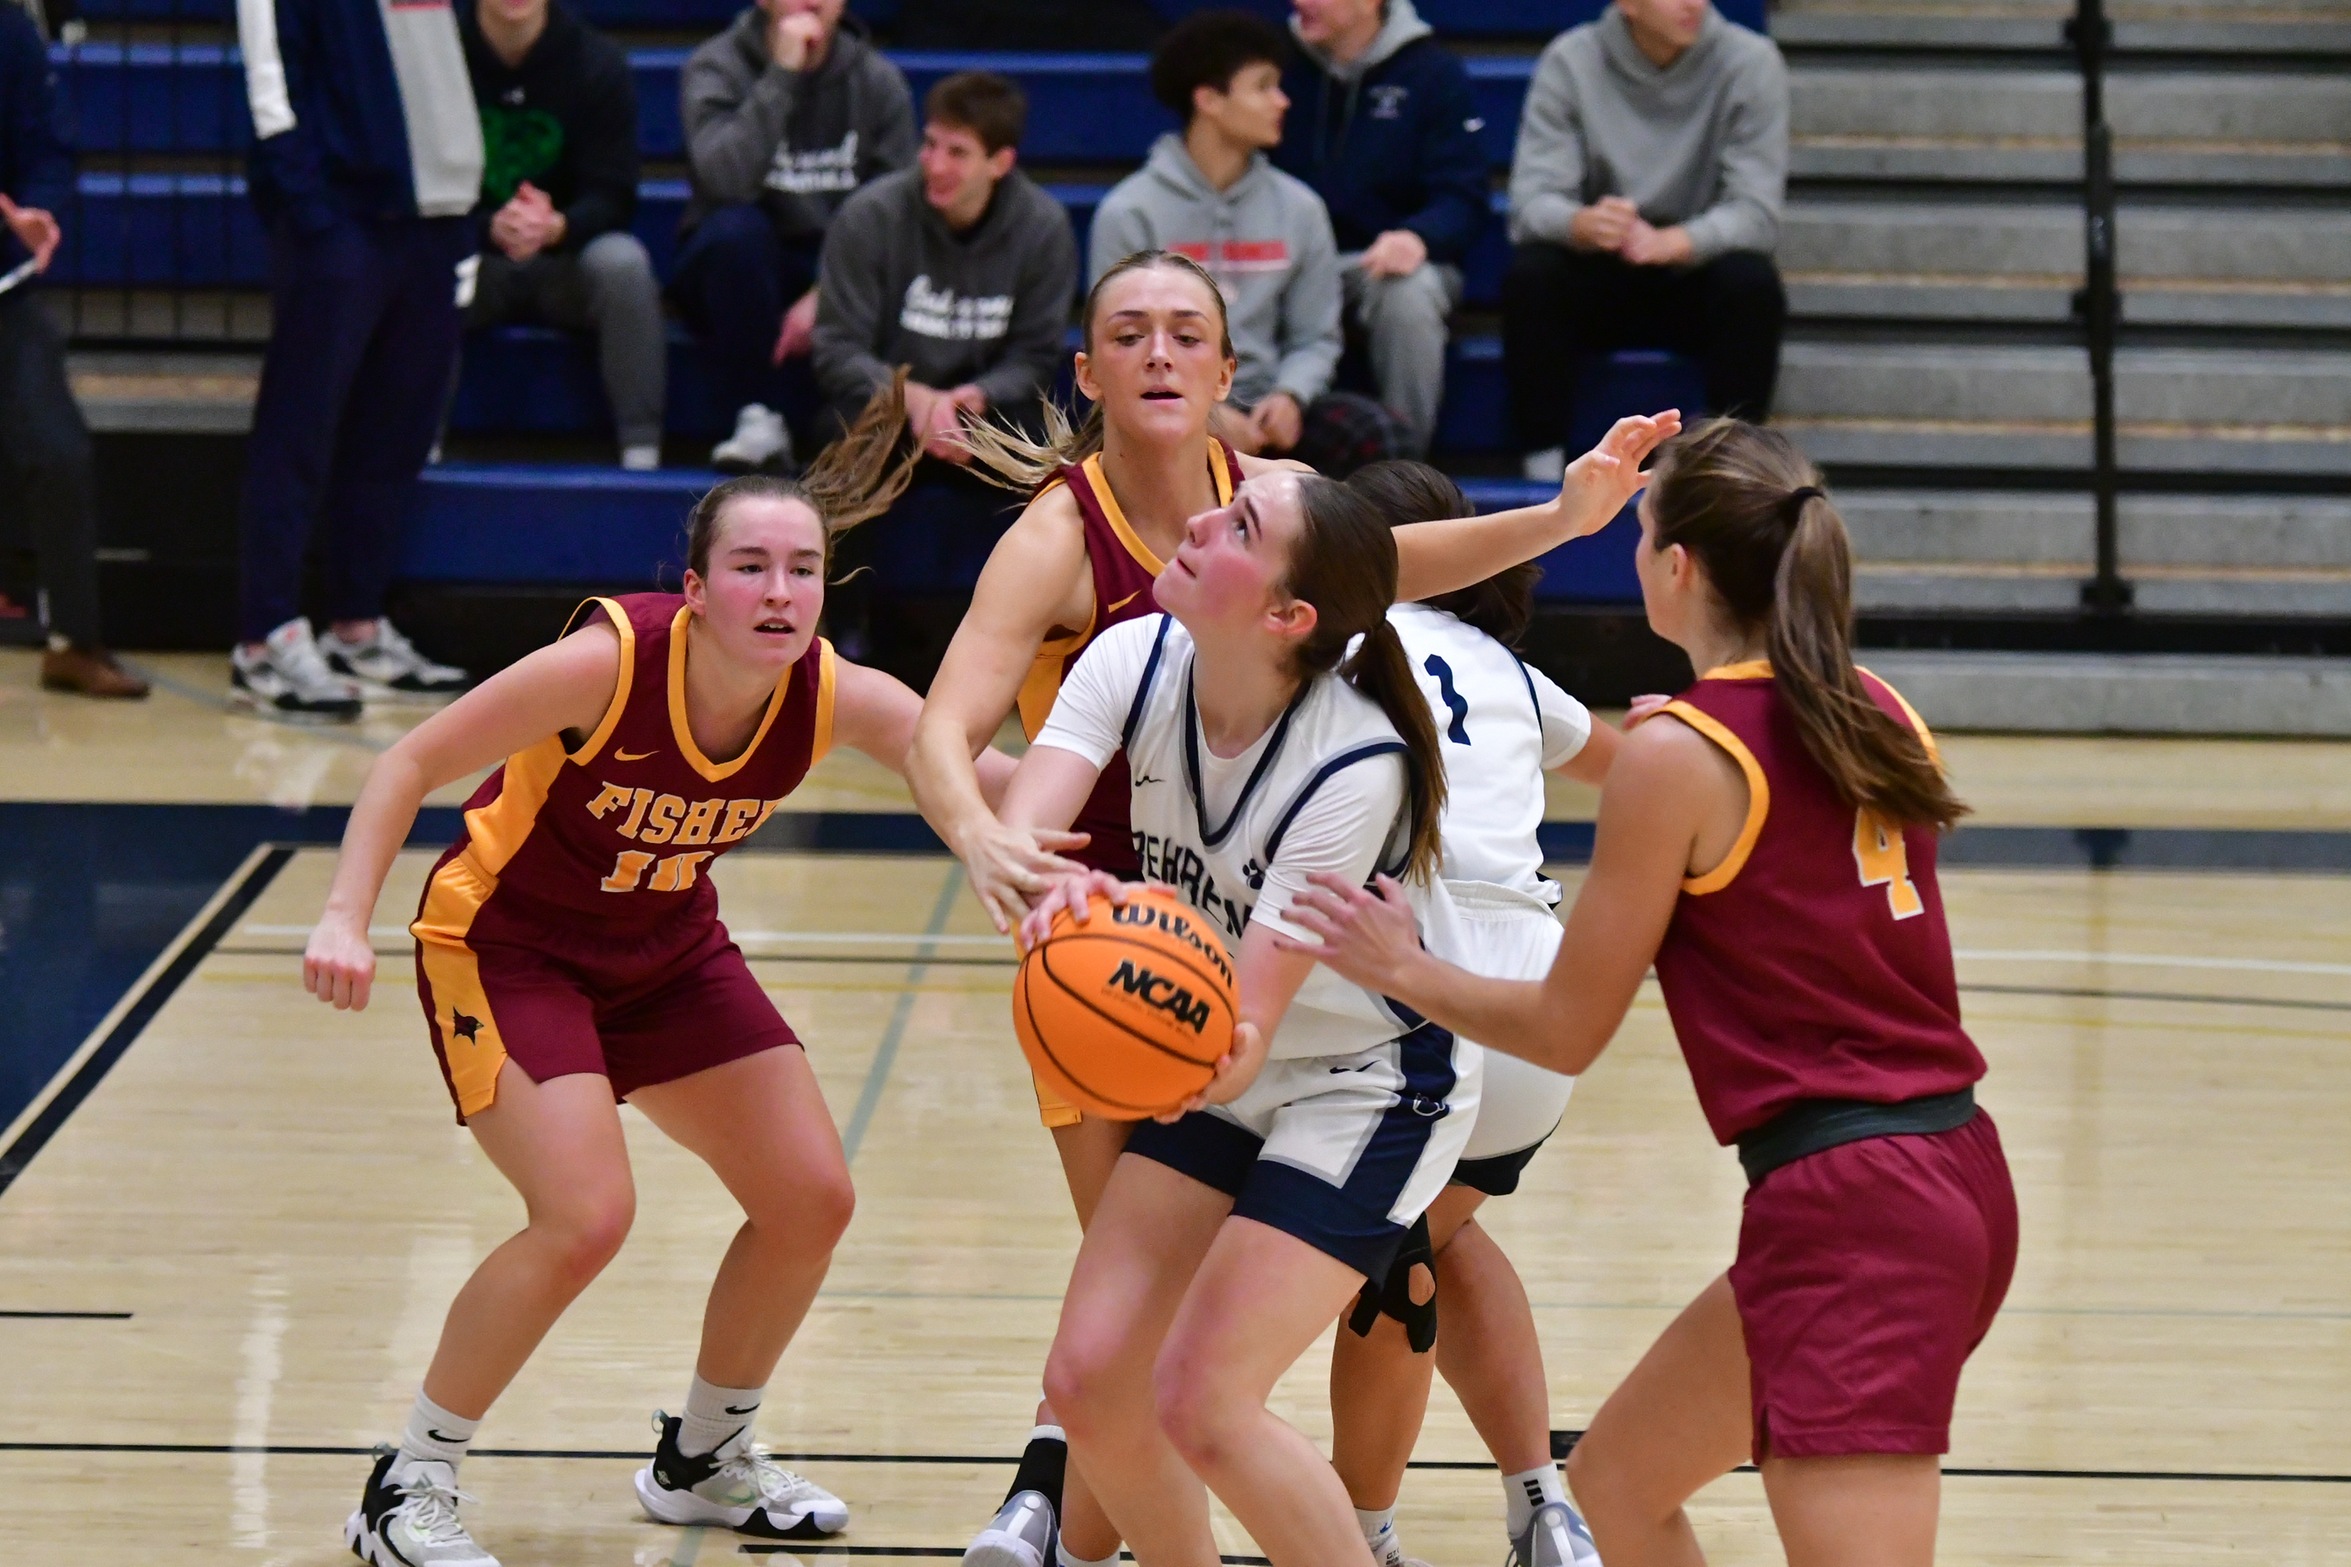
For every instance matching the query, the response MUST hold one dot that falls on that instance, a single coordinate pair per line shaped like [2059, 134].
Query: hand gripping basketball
[1125, 1012]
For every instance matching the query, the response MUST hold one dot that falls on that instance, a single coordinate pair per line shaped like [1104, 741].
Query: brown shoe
[89, 671]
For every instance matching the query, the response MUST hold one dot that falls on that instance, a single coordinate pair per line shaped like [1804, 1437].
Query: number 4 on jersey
[1884, 861]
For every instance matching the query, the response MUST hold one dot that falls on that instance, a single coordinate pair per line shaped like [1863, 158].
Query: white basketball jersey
[1325, 786]
[1500, 727]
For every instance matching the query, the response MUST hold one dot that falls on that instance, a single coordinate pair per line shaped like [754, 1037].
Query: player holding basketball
[569, 954]
[1261, 750]
[1501, 726]
[1111, 503]
[1768, 840]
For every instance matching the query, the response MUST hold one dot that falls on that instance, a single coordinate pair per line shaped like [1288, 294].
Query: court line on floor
[2090, 993]
[129, 1016]
[885, 1055]
[636, 1455]
[65, 1316]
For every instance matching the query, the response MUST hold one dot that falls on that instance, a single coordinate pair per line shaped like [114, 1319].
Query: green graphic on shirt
[517, 145]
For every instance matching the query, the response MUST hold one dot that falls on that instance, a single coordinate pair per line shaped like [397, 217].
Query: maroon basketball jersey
[1814, 962]
[621, 827]
[1123, 569]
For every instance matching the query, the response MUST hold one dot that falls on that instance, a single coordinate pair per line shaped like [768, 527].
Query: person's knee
[1609, 1491]
[588, 1228]
[811, 1210]
[1420, 301]
[1198, 1413]
[1748, 282]
[617, 263]
[1081, 1376]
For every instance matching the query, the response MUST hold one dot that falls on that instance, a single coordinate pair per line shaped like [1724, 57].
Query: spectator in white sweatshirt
[1644, 208]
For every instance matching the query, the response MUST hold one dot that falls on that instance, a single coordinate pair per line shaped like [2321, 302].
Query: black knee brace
[1393, 1295]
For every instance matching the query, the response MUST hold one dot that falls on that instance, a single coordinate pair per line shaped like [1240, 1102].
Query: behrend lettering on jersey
[815, 171]
[1180, 866]
[931, 311]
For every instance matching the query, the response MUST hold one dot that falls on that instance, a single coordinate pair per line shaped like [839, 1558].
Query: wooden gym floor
[233, 1219]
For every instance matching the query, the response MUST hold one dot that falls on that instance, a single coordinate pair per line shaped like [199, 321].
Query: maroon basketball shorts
[637, 1013]
[1867, 1273]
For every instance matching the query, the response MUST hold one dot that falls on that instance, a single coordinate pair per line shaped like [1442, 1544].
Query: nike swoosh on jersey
[1124, 602]
[635, 756]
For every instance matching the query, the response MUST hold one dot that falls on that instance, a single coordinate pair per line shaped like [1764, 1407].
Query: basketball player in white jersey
[1501, 726]
[1260, 750]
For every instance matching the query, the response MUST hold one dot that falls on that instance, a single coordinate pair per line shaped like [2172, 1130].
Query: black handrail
[2099, 304]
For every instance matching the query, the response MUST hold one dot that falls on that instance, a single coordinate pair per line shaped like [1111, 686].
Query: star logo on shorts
[465, 1028]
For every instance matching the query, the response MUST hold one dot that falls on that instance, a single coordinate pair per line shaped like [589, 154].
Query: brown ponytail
[1009, 458]
[1344, 564]
[851, 481]
[1749, 506]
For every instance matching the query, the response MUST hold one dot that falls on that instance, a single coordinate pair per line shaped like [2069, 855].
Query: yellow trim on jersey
[454, 975]
[1220, 472]
[1117, 519]
[620, 691]
[1758, 799]
[1749, 669]
[496, 831]
[827, 676]
[715, 772]
[1926, 736]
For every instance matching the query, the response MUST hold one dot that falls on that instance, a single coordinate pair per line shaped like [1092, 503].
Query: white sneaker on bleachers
[761, 441]
[1548, 466]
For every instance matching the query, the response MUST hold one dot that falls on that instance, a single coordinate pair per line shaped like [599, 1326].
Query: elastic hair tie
[1793, 507]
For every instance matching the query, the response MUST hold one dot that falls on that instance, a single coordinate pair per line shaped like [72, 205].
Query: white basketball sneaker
[761, 443]
[1555, 1537]
[737, 1487]
[288, 674]
[389, 662]
[407, 1516]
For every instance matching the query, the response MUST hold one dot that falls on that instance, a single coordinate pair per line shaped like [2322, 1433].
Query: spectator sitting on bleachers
[960, 269]
[1383, 126]
[366, 163]
[1644, 206]
[1210, 193]
[559, 186]
[787, 113]
[44, 445]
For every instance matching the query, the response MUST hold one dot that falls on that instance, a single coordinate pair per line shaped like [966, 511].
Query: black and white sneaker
[1020, 1535]
[407, 1516]
[737, 1487]
[389, 662]
[1554, 1537]
[288, 674]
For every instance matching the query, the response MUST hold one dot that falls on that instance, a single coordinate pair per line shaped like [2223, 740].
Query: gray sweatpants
[606, 288]
[1407, 319]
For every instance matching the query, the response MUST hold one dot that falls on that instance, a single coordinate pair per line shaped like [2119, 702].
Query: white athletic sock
[1061, 1554]
[714, 1414]
[1379, 1532]
[1523, 1493]
[433, 1432]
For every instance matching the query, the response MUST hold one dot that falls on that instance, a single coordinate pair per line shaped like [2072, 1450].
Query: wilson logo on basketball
[1137, 912]
[1164, 994]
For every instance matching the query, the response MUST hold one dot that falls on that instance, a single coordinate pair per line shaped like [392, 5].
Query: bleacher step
[180, 392]
[1951, 588]
[1809, 26]
[2124, 693]
[2007, 528]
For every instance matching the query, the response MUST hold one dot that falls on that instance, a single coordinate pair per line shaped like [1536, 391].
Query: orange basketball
[1126, 1015]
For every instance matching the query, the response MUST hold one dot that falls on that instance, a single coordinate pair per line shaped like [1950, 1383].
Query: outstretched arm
[565, 687]
[1439, 557]
[876, 713]
[1022, 594]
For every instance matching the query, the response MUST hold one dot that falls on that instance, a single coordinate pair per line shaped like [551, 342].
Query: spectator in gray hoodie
[787, 113]
[1644, 208]
[960, 269]
[1209, 193]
